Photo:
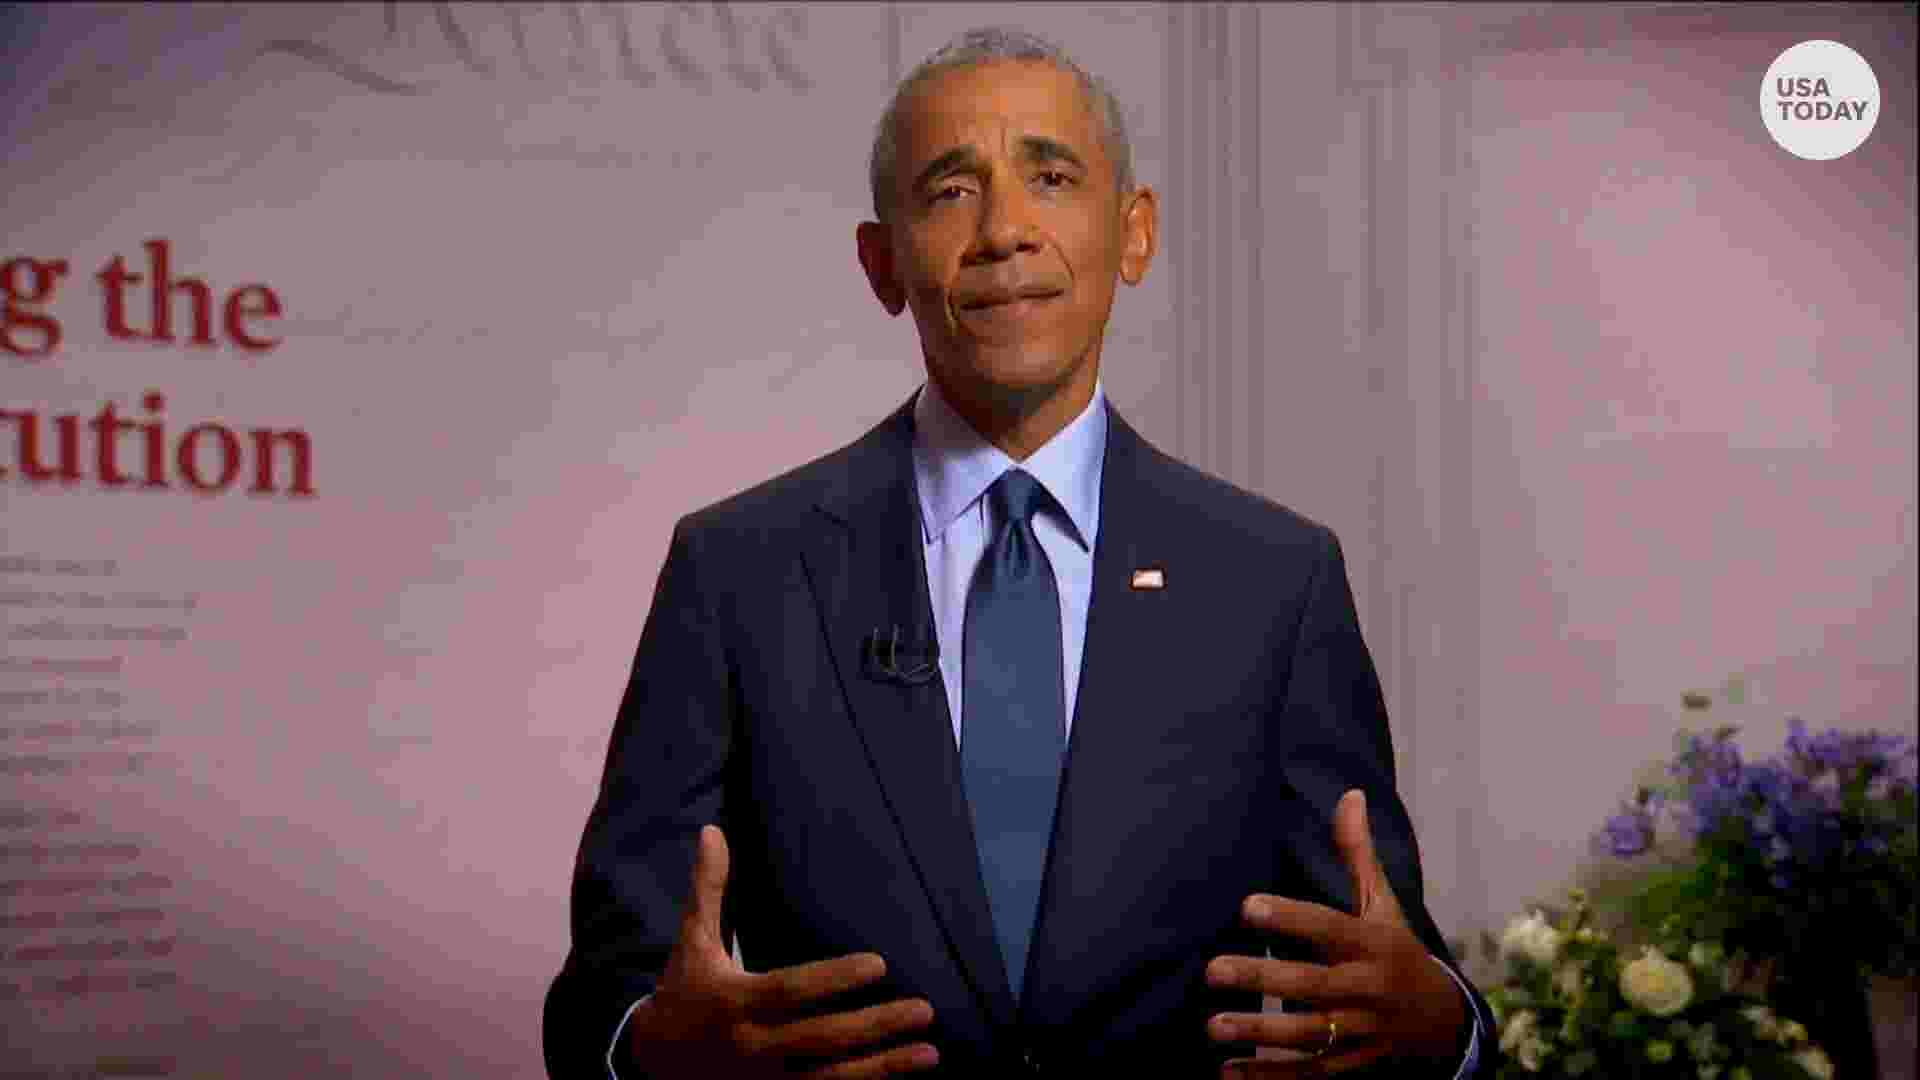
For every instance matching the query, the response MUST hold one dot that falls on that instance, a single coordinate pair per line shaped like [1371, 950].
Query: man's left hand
[1378, 994]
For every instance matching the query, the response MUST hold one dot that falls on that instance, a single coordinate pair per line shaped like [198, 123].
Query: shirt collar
[955, 465]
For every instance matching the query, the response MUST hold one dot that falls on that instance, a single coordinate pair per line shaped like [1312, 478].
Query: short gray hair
[984, 45]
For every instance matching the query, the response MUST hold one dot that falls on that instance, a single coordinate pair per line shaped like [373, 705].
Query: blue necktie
[1013, 705]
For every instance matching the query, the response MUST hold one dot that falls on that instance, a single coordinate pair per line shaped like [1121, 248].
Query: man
[1003, 742]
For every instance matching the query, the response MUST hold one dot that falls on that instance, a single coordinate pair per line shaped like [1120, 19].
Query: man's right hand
[710, 1017]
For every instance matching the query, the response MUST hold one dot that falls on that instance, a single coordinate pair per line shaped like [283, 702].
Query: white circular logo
[1819, 100]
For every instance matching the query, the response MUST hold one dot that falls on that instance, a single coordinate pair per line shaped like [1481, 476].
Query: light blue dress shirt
[953, 467]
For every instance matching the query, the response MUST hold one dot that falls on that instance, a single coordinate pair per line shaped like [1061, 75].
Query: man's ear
[875, 242]
[1140, 225]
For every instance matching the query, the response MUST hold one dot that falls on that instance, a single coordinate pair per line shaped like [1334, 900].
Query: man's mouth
[1014, 300]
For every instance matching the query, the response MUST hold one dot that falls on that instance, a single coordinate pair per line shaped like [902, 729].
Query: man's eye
[1054, 178]
[947, 192]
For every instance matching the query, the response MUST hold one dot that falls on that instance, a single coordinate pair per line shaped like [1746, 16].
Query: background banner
[333, 508]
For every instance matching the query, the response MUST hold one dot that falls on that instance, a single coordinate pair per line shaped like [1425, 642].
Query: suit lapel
[868, 573]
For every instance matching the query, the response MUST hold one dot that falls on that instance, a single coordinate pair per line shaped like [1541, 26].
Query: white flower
[1815, 1061]
[1518, 1027]
[1791, 1031]
[1534, 1050]
[1569, 980]
[1533, 937]
[1656, 984]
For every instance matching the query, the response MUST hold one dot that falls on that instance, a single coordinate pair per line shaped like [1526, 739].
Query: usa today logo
[1819, 100]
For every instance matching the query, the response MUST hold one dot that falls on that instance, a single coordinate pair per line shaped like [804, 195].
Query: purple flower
[1628, 833]
[1797, 816]
[1846, 753]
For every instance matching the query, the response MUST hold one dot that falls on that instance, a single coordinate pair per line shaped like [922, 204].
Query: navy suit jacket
[1219, 719]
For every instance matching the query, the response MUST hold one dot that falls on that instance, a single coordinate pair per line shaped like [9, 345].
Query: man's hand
[708, 1017]
[1379, 992]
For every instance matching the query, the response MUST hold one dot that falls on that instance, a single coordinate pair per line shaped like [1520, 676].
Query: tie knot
[1016, 496]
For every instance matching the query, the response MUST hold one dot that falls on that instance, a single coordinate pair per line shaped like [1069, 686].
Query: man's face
[1007, 232]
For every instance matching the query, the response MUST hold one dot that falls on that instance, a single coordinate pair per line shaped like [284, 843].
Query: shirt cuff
[621, 1027]
[1471, 1064]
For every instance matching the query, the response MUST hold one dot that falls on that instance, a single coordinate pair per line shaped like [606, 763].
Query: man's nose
[1006, 224]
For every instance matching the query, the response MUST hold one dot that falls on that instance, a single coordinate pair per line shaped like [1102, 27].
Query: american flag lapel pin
[1153, 577]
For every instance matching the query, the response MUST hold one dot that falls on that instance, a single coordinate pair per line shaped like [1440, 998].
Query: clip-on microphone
[883, 656]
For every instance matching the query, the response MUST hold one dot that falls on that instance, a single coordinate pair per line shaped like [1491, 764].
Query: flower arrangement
[1818, 844]
[1574, 1003]
[1806, 863]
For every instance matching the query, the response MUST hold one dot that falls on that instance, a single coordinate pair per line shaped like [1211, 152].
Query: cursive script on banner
[697, 45]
